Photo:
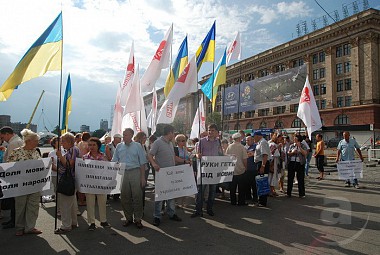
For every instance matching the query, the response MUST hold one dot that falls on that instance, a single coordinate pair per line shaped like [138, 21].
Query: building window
[249, 114]
[339, 102]
[339, 51]
[237, 126]
[280, 68]
[323, 89]
[342, 120]
[348, 101]
[347, 84]
[297, 62]
[323, 104]
[226, 127]
[294, 108]
[263, 112]
[315, 74]
[263, 124]
[316, 90]
[315, 58]
[249, 126]
[296, 123]
[278, 124]
[264, 72]
[318, 104]
[322, 73]
[339, 85]
[322, 57]
[346, 49]
[279, 109]
[339, 68]
[347, 67]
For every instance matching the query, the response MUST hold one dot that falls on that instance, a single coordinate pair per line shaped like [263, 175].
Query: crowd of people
[255, 154]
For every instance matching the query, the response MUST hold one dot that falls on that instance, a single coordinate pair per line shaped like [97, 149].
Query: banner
[25, 177]
[216, 169]
[348, 170]
[272, 90]
[98, 177]
[173, 182]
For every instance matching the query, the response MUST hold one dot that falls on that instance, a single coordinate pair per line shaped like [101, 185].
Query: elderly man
[251, 192]
[162, 155]
[132, 154]
[14, 141]
[261, 160]
[346, 151]
[237, 149]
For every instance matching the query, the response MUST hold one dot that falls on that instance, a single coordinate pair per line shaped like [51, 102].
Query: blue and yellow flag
[44, 55]
[66, 110]
[206, 51]
[210, 87]
[177, 67]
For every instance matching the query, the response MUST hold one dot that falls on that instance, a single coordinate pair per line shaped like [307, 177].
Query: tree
[214, 117]
[98, 133]
[179, 124]
[56, 130]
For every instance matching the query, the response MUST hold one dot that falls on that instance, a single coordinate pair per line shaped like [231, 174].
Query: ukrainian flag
[44, 55]
[210, 87]
[66, 107]
[206, 52]
[177, 68]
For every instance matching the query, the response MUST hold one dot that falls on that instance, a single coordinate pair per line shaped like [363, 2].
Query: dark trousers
[9, 203]
[251, 188]
[262, 199]
[238, 181]
[293, 169]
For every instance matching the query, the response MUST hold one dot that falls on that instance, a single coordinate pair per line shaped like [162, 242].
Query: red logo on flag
[231, 49]
[169, 110]
[131, 67]
[305, 97]
[183, 76]
[159, 51]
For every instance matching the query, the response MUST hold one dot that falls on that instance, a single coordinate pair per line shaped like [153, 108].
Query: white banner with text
[350, 169]
[25, 177]
[216, 169]
[98, 177]
[173, 182]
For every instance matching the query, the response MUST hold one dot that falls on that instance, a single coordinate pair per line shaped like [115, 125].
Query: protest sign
[173, 182]
[25, 177]
[350, 169]
[216, 169]
[98, 177]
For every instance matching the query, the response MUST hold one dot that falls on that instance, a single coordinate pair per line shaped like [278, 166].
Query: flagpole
[238, 120]
[222, 107]
[200, 146]
[59, 127]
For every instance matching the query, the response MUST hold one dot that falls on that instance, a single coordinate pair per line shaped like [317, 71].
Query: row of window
[343, 67]
[343, 101]
[340, 51]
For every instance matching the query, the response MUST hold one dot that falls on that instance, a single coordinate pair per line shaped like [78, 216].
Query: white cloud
[294, 9]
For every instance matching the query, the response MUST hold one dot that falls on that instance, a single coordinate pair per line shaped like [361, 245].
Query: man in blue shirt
[132, 154]
[251, 170]
[346, 151]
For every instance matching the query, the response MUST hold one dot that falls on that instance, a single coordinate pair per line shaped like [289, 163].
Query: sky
[98, 34]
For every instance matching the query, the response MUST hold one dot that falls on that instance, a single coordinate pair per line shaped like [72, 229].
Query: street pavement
[332, 219]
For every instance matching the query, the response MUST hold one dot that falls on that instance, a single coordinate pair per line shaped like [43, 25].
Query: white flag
[133, 103]
[186, 83]
[234, 50]
[151, 119]
[136, 120]
[129, 73]
[308, 110]
[198, 127]
[160, 61]
[117, 115]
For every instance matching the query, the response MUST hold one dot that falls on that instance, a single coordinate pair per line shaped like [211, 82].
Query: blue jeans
[210, 200]
[308, 159]
[170, 208]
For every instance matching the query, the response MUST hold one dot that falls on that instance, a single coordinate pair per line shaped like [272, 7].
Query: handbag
[262, 184]
[66, 184]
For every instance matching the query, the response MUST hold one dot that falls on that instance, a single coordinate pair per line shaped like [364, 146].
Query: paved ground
[331, 219]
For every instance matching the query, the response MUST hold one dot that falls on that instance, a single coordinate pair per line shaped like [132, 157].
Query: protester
[320, 156]
[95, 154]
[274, 165]
[261, 161]
[207, 146]
[237, 149]
[83, 150]
[7, 135]
[182, 156]
[225, 144]
[285, 160]
[297, 159]
[52, 154]
[78, 138]
[251, 193]
[152, 139]
[110, 147]
[243, 139]
[162, 155]
[27, 205]
[132, 154]
[66, 163]
[107, 140]
[308, 155]
[346, 151]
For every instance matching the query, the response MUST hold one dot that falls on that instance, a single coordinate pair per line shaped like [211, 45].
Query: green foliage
[214, 117]
[98, 133]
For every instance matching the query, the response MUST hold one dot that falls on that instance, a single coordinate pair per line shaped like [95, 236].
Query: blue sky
[98, 35]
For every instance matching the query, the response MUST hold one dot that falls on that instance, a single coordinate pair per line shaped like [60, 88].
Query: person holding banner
[162, 155]
[297, 158]
[132, 154]
[207, 146]
[94, 145]
[261, 159]
[346, 151]
[26, 206]
[66, 162]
